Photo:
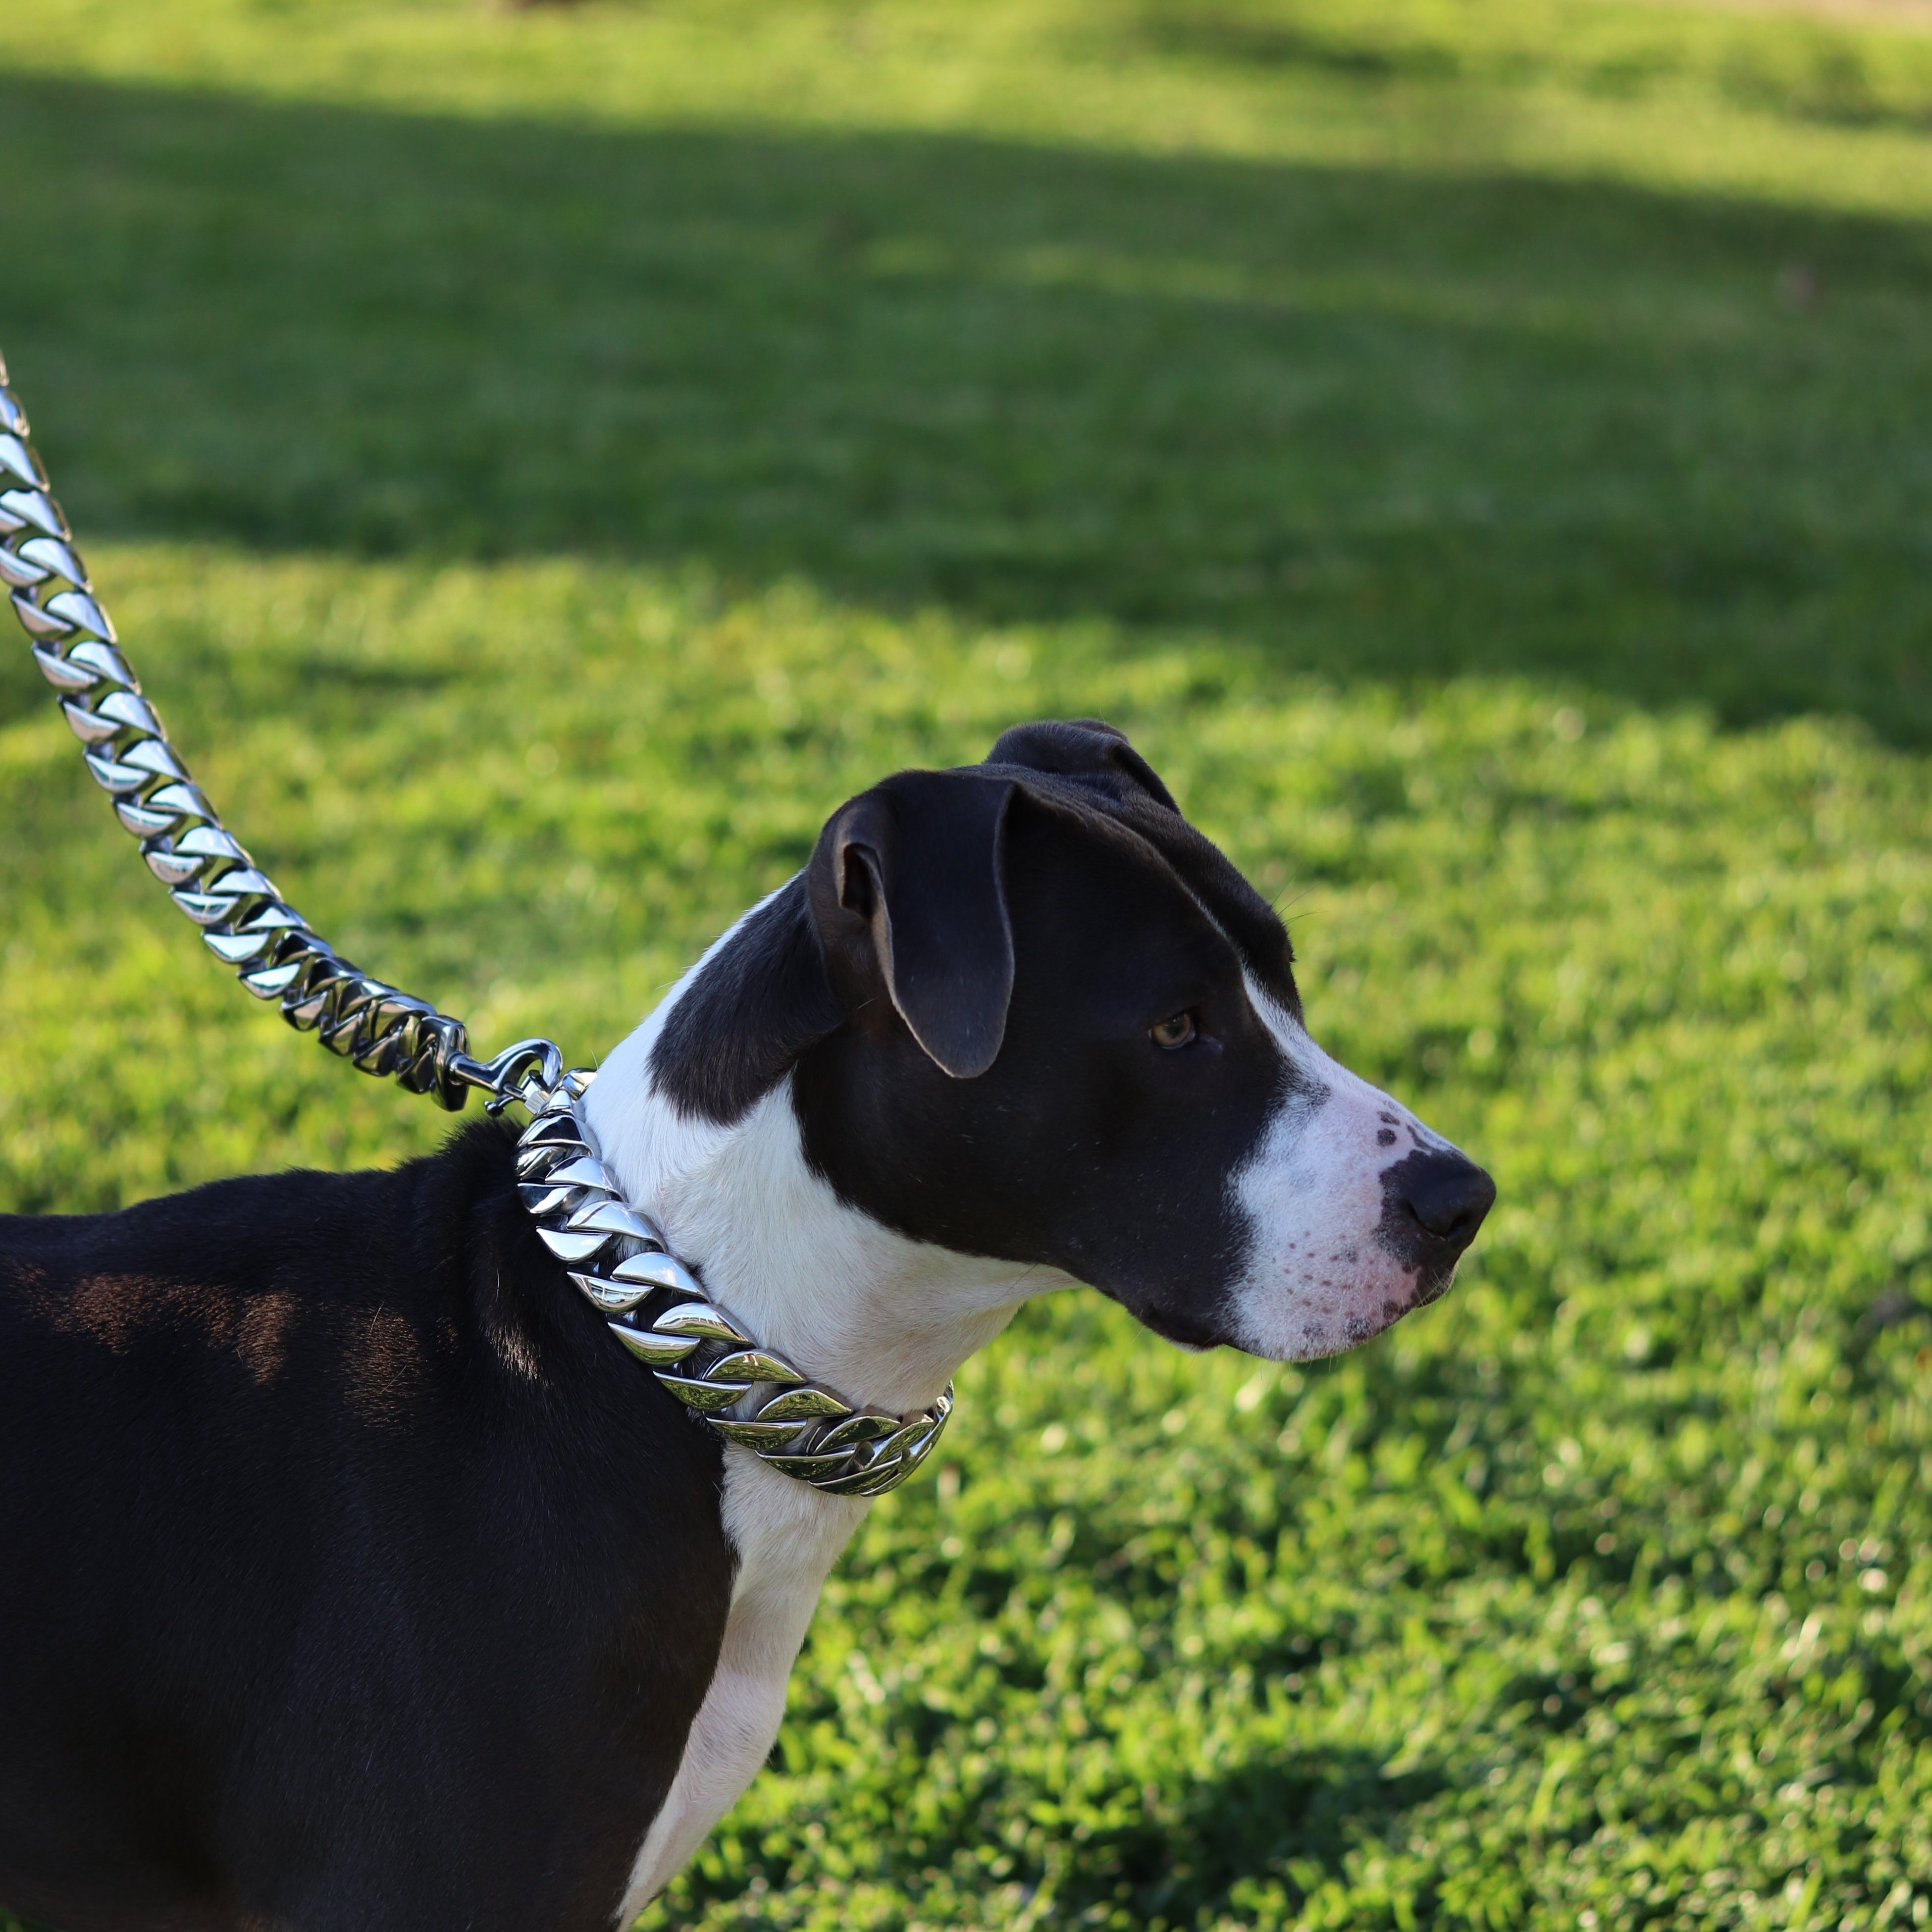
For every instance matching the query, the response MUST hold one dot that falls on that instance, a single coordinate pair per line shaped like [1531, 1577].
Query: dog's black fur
[353, 1575]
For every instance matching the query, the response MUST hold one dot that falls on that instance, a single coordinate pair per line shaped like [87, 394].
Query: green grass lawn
[541, 463]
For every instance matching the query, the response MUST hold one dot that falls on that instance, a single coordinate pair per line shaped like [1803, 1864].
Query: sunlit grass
[1828, 113]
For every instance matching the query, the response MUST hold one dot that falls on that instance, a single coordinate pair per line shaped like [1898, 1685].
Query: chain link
[615, 1255]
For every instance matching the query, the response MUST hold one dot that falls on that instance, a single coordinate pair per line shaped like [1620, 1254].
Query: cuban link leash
[616, 1255]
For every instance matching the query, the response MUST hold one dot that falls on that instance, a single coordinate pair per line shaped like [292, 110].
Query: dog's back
[303, 1548]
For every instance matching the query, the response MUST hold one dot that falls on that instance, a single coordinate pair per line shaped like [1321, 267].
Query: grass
[542, 463]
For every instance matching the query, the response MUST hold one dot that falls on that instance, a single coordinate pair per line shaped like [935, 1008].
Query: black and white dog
[352, 1578]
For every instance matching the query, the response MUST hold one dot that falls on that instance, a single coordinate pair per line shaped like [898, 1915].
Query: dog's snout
[1449, 1196]
[1433, 1202]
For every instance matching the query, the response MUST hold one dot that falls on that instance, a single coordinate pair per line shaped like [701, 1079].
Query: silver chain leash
[615, 1255]
[244, 921]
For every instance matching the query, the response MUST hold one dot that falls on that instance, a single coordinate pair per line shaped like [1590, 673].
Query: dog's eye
[1171, 1033]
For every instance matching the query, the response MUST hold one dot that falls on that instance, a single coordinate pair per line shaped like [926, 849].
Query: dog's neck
[883, 1319]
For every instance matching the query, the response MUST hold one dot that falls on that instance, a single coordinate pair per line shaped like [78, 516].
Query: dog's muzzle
[1433, 1202]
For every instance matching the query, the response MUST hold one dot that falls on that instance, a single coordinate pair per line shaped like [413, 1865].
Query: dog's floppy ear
[907, 889]
[1081, 747]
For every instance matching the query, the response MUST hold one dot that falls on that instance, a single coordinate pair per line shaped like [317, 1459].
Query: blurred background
[542, 460]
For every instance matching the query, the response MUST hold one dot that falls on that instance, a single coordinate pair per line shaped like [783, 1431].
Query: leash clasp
[528, 1072]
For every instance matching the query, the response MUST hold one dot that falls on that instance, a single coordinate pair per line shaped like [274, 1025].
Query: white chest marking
[787, 1537]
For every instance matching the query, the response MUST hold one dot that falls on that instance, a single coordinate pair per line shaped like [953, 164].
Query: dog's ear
[909, 895]
[1081, 747]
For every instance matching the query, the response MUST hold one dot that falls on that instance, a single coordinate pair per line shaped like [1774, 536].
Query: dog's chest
[787, 1536]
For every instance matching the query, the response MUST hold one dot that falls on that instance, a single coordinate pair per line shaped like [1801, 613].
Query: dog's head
[1029, 1012]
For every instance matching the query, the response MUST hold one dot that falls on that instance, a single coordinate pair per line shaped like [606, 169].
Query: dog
[356, 1579]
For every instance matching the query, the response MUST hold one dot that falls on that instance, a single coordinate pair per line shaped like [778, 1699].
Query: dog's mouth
[1326, 1302]
[1351, 1327]
[1431, 1284]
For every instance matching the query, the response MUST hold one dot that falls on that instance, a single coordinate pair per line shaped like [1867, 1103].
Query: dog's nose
[1447, 1194]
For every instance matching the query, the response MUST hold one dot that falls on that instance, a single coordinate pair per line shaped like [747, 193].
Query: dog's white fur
[887, 1320]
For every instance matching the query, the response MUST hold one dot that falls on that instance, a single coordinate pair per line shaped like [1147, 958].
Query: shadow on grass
[1262, 1824]
[1291, 1822]
[1286, 1825]
[1370, 425]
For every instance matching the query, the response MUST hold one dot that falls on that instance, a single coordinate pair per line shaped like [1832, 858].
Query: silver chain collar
[616, 1256]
